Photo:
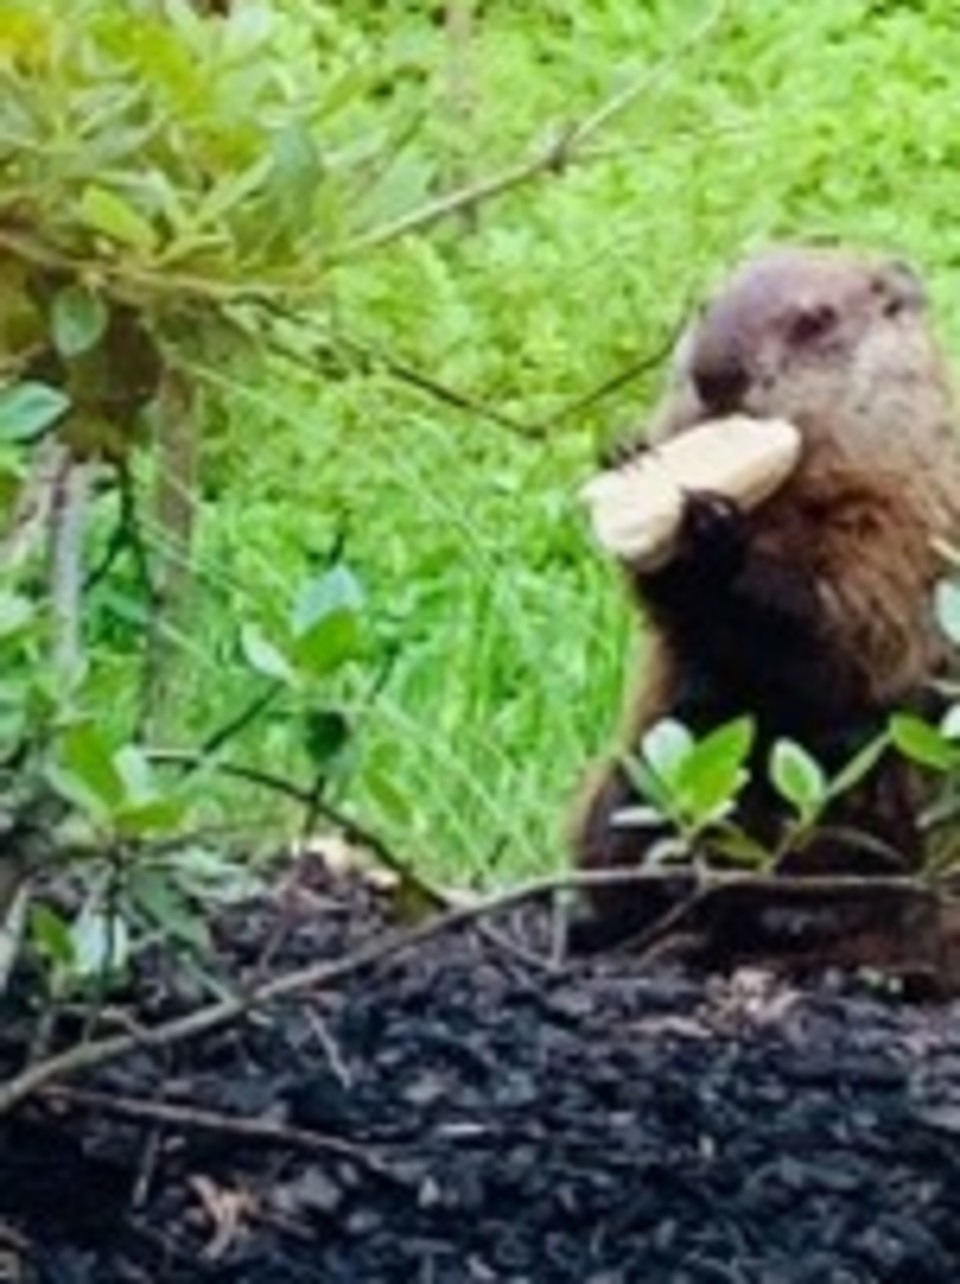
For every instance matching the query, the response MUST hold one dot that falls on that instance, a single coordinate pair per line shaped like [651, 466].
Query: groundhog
[813, 613]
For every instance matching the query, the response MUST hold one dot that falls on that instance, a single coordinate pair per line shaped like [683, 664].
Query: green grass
[510, 638]
[501, 634]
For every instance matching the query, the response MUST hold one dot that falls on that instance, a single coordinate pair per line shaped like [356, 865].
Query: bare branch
[565, 144]
[174, 503]
[49, 463]
[68, 524]
[356, 834]
[366, 357]
[636, 370]
[262, 1132]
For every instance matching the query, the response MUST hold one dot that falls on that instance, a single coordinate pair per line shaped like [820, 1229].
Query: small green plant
[694, 786]
[171, 181]
[103, 850]
[804, 785]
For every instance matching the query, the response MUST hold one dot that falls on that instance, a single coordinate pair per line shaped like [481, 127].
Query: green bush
[241, 186]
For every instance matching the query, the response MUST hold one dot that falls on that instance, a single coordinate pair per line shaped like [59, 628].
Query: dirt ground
[464, 1113]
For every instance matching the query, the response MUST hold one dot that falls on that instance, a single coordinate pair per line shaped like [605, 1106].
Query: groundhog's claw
[713, 533]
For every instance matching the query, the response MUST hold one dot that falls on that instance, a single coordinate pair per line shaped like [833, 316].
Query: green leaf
[326, 735]
[712, 774]
[923, 743]
[214, 876]
[153, 816]
[381, 779]
[100, 941]
[156, 894]
[264, 657]
[859, 766]
[78, 320]
[741, 848]
[73, 789]
[233, 190]
[637, 816]
[950, 725]
[665, 748]
[798, 778]
[87, 772]
[104, 211]
[133, 769]
[295, 175]
[17, 727]
[947, 605]
[17, 613]
[248, 31]
[51, 936]
[649, 785]
[335, 591]
[114, 787]
[28, 409]
[326, 621]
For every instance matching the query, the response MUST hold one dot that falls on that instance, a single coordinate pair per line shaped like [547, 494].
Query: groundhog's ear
[903, 288]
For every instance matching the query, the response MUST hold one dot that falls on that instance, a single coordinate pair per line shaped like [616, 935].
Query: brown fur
[823, 622]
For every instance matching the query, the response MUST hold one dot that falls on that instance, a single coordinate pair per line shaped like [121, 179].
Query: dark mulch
[595, 1125]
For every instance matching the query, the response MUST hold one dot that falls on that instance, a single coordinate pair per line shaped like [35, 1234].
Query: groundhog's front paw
[713, 535]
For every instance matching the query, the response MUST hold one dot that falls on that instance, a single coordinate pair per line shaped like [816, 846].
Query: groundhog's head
[835, 341]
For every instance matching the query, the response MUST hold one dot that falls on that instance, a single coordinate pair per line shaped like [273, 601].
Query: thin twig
[257, 706]
[197, 1118]
[320, 1031]
[127, 534]
[147, 1167]
[366, 356]
[643, 946]
[357, 835]
[554, 157]
[192, 759]
[355, 832]
[636, 370]
[397, 368]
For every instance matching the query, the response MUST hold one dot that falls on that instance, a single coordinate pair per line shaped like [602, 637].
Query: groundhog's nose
[720, 378]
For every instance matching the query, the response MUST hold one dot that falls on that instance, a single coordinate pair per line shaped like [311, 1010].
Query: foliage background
[499, 642]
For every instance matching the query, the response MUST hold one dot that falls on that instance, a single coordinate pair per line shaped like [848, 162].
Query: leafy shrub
[167, 175]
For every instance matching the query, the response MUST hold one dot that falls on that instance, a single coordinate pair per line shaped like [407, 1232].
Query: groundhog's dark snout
[720, 377]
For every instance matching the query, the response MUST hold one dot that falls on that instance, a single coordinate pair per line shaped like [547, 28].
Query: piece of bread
[637, 509]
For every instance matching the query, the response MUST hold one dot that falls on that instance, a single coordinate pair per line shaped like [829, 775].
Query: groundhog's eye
[812, 322]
